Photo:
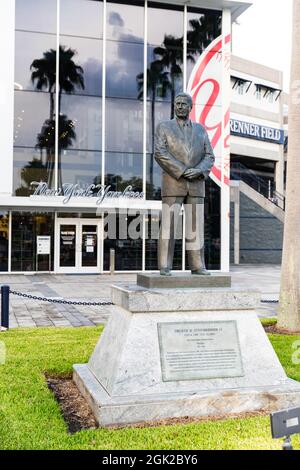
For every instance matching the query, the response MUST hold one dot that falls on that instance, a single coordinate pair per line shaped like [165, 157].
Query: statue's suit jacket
[175, 155]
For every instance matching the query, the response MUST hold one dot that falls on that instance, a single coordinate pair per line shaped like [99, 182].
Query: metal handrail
[238, 171]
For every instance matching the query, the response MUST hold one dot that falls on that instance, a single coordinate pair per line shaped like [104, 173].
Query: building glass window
[241, 88]
[26, 227]
[36, 15]
[124, 106]
[125, 22]
[80, 103]
[152, 224]
[82, 18]
[156, 112]
[164, 79]
[258, 93]
[80, 66]
[123, 170]
[203, 27]
[82, 167]
[4, 240]
[128, 251]
[212, 229]
[34, 117]
[124, 126]
[164, 20]
[125, 63]
[271, 97]
[31, 164]
[80, 140]
[76, 107]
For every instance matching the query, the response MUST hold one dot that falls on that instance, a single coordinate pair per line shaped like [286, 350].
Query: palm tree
[158, 84]
[170, 54]
[46, 140]
[202, 31]
[70, 74]
[33, 171]
[289, 308]
[44, 77]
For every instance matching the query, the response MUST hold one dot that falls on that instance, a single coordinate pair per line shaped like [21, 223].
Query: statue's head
[183, 105]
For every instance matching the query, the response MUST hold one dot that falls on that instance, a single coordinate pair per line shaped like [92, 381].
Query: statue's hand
[193, 174]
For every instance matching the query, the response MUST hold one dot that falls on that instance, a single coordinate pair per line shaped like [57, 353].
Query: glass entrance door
[89, 246]
[78, 248]
[67, 246]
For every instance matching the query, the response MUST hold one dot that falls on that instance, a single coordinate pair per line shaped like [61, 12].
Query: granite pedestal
[182, 281]
[193, 352]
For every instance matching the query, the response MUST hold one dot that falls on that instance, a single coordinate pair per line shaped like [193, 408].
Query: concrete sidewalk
[96, 288]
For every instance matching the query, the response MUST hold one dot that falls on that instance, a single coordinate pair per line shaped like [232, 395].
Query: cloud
[115, 19]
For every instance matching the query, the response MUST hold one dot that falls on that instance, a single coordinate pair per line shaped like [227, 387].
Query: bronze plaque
[199, 350]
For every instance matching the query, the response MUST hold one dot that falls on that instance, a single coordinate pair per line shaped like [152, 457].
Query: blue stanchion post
[5, 306]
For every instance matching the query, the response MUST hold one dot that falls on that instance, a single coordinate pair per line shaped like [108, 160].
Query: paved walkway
[95, 288]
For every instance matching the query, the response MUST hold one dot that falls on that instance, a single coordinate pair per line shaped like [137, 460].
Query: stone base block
[186, 281]
[170, 353]
[111, 411]
[138, 299]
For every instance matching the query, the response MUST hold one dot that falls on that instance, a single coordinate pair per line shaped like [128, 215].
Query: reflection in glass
[67, 246]
[128, 252]
[203, 28]
[164, 77]
[151, 242]
[4, 238]
[165, 20]
[125, 62]
[26, 226]
[122, 170]
[156, 112]
[30, 165]
[86, 114]
[81, 167]
[31, 110]
[165, 69]
[84, 76]
[35, 123]
[212, 225]
[81, 18]
[29, 47]
[125, 22]
[36, 15]
[124, 125]
[153, 179]
[89, 247]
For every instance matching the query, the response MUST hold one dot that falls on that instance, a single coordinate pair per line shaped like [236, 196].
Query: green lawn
[30, 417]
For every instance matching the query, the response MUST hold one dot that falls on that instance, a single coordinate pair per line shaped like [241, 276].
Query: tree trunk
[151, 170]
[289, 308]
[49, 151]
[172, 95]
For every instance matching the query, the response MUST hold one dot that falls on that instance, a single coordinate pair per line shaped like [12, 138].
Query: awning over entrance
[80, 204]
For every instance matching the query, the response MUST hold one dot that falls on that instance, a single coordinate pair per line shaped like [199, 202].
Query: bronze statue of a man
[184, 152]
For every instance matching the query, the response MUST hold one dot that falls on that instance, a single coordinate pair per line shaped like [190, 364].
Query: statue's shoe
[201, 272]
[165, 272]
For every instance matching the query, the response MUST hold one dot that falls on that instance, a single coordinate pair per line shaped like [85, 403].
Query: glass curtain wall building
[92, 79]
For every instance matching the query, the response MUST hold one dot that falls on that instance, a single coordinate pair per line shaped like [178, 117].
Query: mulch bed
[74, 407]
[78, 415]
[273, 329]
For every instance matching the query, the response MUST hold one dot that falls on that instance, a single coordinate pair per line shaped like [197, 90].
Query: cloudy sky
[264, 35]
